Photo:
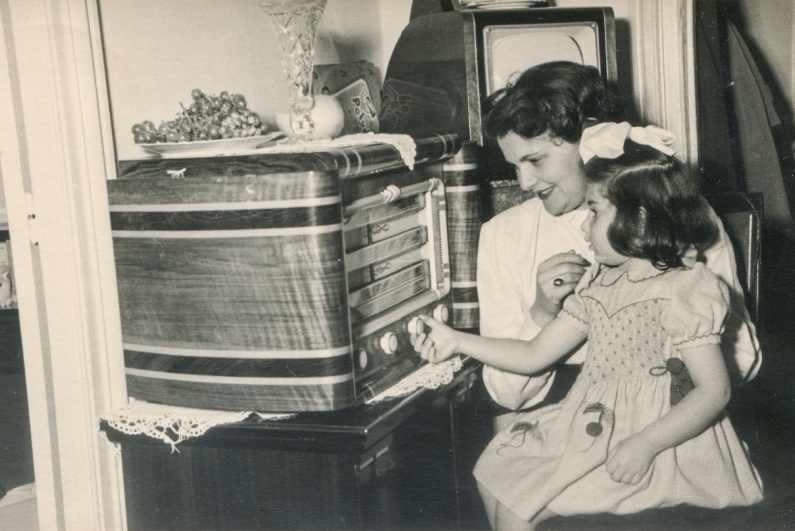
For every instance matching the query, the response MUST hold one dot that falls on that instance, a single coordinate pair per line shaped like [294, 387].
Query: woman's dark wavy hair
[659, 211]
[560, 98]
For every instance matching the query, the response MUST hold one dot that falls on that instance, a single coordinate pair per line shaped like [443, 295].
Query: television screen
[511, 49]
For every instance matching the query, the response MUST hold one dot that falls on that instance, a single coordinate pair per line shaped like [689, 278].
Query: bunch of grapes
[209, 117]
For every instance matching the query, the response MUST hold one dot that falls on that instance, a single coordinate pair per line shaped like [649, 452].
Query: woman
[644, 425]
[531, 256]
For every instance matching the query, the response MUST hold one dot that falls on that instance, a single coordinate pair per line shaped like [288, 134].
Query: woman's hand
[436, 345]
[629, 461]
[556, 280]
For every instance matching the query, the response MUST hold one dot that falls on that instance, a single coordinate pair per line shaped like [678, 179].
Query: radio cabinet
[287, 282]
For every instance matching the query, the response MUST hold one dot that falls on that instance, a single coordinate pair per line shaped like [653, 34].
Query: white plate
[496, 4]
[223, 147]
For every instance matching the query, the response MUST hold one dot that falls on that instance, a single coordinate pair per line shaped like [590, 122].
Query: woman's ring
[558, 282]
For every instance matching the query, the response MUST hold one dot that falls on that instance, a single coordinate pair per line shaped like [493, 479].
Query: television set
[445, 64]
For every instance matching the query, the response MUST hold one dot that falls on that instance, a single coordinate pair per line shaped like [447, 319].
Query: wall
[394, 17]
[157, 52]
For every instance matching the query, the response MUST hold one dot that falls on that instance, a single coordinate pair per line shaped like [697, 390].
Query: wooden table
[400, 464]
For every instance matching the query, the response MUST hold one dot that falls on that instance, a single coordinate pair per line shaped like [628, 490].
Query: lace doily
[173, 424]
[428, 377]
[403, 143]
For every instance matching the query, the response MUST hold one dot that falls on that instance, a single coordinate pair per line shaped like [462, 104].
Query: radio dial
[415, 326]
[389, 343]
[441, 313]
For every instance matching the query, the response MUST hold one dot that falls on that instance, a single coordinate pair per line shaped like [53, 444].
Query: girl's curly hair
[660, 214]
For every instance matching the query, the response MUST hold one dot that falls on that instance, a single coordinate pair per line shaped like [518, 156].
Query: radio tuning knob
[388, 343]
[441, 313]
[415, 326]
[362, 358]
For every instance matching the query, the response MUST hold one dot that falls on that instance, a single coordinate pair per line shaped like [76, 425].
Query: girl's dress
[635, 321]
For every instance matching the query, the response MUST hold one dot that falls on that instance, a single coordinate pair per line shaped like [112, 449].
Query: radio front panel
[269, 288]
[398, 266]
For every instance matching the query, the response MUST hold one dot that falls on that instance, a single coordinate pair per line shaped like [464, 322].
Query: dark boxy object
[445, 64]
[281, 282]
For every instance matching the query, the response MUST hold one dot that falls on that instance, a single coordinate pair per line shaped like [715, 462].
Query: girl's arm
[554, 341]
[632, 457]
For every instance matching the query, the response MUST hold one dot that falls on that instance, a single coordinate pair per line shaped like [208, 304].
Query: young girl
[634, 432]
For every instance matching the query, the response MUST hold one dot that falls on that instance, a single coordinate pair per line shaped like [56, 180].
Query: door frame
[55, 157]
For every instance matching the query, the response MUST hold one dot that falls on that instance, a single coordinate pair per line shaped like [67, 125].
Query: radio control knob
[415, 326]
[441, 313]
[388, 343]
[362, 358]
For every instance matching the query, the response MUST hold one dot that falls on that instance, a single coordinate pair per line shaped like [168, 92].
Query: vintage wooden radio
[279, 282]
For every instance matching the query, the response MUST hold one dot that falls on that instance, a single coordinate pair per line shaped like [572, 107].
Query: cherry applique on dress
[681, 383]
[606, 418]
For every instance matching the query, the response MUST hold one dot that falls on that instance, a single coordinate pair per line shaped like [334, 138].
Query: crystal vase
[296, 23]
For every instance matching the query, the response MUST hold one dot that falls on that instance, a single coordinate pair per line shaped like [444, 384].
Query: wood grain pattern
[234, 280]
[235, 396]
[239, 219]
[341, 163]
[386, 249]
[463, 226]
[383, 287]
[284, 292]
[148, 183]
[263, 366]
[502, 195]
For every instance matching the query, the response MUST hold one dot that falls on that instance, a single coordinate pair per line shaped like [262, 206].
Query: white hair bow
[606, 140]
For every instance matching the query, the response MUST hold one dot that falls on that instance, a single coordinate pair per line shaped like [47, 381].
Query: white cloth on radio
[428, 376]
[403, 143]
[174, 424]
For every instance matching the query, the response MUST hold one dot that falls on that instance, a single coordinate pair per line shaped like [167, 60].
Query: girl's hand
[436, 345]
[550, 293]
[629, 461]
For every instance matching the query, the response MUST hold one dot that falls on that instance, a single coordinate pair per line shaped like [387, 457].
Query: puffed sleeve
[699, 305]
[575, 312]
